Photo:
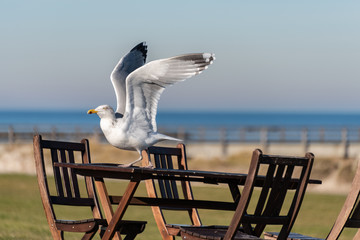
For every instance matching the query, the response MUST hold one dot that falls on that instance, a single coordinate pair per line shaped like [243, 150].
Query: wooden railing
[264, 137]
[201, 134]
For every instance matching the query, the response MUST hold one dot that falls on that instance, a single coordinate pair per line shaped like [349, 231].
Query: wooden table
[136, 174]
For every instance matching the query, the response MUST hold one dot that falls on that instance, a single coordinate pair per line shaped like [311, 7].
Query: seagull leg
[132, 163]
[138, 160]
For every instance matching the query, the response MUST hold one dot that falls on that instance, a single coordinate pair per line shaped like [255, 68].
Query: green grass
[22, 215]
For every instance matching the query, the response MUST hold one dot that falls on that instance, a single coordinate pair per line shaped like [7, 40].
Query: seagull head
[103, 111]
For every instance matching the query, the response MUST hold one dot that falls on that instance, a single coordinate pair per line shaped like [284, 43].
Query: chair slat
[280, 160]
[164, 150]
[235, 192]
[62, 145]
[285, 186]
[170, 165]
[74, 180]
[157, 161]
[169, 162]
[282, 189]
[72, 201]
[265, 189]
[57, 174]
[166, 182]
[160, 181]
[163, 158]
[280, 186]
[275, 202]
[65, 174]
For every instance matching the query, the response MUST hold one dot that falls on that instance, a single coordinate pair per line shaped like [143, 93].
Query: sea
[329, 124]
[72, 118]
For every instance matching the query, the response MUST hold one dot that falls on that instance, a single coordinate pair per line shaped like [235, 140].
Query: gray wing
[145, 84]
[127, 64]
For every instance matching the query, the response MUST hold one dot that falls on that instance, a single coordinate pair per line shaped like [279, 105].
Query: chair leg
[130, 236]
[57, 234]
[89, 235]
[357, 235]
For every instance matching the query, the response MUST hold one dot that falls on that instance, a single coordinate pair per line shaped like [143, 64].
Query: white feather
[138, 88]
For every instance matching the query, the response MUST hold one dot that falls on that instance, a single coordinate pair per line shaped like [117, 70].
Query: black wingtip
[142, 47]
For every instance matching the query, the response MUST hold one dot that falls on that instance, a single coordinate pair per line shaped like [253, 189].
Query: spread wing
[127, 64]
[145, 84]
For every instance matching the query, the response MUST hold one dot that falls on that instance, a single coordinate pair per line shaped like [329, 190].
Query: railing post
[242, 134]
[181, 134]
[345, 142]
[97, 135]
[202, 134]
[11, 135]
[264, 141]
[322, 135]
[78, 133]
[224, 141]
[282, 135]
[305, 139]
[53, 133]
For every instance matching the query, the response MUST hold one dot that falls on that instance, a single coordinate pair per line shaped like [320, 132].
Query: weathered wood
[120, 211]
[349, 216]
[87, 225]
[113, 171]
[177, 204]
[74, 181]
[67, 189]
[69, 201]
[44, 188]
[278, 176]
[280, 172]
[292, 236]
[104, 198]
[165, 150]
[151, 191]
[165, 158]
[62, 145]
[212, 233]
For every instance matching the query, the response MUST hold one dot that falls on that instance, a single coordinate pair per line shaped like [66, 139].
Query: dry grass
[22, 216]
[336, 173]
[107, 153]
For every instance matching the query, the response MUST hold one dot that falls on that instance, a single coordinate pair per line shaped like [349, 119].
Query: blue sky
[270, 55]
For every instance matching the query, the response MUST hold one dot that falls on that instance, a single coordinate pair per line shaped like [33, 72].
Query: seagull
[138, 87]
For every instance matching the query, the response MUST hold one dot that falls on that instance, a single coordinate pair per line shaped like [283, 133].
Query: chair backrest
[285, 180]
[349, 216]
[65, 189]
[168, 158]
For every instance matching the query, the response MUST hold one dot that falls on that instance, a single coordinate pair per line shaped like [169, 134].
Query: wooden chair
[66, 190]
[282, 175]
[169, 158]
[349, 216]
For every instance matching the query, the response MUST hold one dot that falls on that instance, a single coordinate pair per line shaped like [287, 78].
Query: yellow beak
[91, 111]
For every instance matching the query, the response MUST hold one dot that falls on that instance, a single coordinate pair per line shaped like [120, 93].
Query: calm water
[61, 119]
[327, 126]
[259, 119]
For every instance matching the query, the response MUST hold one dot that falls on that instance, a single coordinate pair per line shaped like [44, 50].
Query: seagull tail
[163, 137]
